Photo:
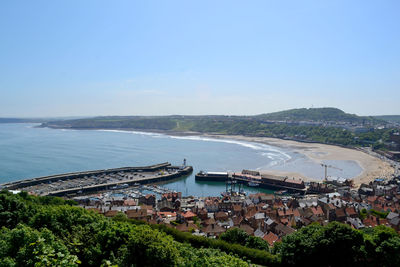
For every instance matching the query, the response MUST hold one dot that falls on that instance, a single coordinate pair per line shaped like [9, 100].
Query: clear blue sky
[69, 58]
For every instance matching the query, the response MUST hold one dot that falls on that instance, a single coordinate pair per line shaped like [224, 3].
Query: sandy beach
[372, 167]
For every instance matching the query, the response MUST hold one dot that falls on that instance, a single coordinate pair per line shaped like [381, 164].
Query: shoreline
[372, 167]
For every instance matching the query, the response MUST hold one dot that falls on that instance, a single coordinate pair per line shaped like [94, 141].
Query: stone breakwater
[98, 180]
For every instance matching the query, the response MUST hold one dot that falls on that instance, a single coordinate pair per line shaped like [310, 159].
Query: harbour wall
[143, 180]
[66, 176]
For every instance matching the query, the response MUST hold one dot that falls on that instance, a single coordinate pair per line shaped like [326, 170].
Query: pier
[254, 177]
[99, 180]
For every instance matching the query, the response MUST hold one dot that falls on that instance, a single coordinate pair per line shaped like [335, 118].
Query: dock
[255, 178]
[98, 180]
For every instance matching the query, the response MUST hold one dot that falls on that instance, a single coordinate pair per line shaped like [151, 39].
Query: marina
[100, 180]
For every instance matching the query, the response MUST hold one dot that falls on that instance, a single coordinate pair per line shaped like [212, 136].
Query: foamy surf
[277, 156]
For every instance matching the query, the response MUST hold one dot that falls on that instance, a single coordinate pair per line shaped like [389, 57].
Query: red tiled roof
[350, 211]
[317, 211]
[271, 238]
[130, 202]
[188, 214]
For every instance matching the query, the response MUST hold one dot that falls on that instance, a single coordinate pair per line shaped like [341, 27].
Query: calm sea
[26, 151]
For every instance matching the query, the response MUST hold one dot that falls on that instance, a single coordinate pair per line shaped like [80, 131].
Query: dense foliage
[238, 236]
[339, 245]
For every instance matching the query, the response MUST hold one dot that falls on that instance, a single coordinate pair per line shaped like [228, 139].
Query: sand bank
[373, 167]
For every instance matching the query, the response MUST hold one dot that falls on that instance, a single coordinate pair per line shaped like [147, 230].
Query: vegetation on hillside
[389, 118]
[48, 231]
[266, 125]
[319, 114]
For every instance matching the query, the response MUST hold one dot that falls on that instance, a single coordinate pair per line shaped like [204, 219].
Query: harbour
[40, 152]
[99, 180]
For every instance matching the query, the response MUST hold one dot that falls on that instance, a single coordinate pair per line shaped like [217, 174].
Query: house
[130, 202]
[247, 228]
[257, 220]
[394, 220]
[269, 224]
[351, 212]
[221, 216]
[137, 214]
[211, 206]
[187, 227]
[148, 200]
[271, 238]
[202, 214]
[259, 233]
[185, 216]
[340, 215]
[237, 210]
[282, 230]
[171, 196]
[165, 205]
[208, 221]
[224, 205]
[237, 220]
[317, 211]
[395, 223]
[213, 230]
[371, 221]
[355, 223]
[166, 214]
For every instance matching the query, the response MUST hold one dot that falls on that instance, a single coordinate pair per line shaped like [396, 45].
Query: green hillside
[389, 118]
[318, 114]
[328, 125]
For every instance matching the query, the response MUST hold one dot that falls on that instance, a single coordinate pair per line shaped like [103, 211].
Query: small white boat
[253, 184]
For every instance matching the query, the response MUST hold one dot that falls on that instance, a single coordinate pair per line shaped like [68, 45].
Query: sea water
[27, 151]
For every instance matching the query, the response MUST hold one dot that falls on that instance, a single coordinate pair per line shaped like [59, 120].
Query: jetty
[255, 178]
[99, 180]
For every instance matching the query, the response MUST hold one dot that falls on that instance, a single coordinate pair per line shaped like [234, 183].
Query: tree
[333, 245]
[238, 236]
[383, 246]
